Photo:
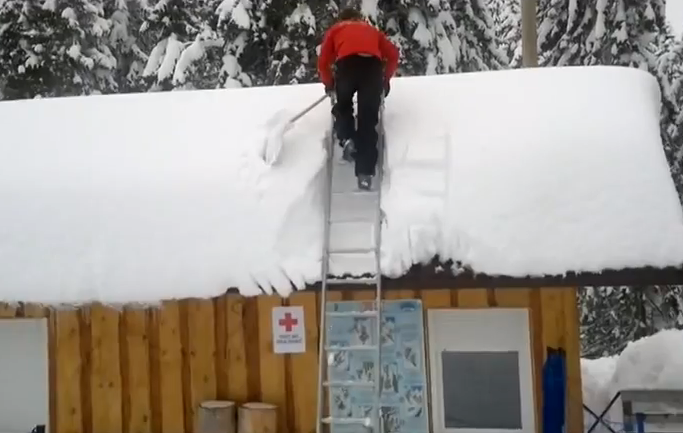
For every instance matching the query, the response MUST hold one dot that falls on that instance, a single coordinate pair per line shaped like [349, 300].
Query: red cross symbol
[288, 322]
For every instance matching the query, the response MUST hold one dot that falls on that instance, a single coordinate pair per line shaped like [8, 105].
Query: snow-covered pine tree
[173, 25]
[407, 27]
[507, 23]
[667, 307]
[300, 33]
[443, 36]
[94, 59]
[613, 316]
[676, 134]
[244, 26]
[478, 48]
[199, 64]
[127, 46]
[561, 31]
[29, 49]
[669, 70]
[54, 48]
[610, 318]
[602, 32]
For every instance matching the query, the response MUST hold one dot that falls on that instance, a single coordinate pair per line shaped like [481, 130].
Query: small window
[492, 399]
[481, 371]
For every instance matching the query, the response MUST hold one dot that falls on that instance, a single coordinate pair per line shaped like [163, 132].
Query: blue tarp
[554, 391]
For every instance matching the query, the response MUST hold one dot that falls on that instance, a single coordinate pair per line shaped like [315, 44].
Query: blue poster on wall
[403, 374]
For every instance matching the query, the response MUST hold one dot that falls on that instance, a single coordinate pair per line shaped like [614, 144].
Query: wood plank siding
[145, 371]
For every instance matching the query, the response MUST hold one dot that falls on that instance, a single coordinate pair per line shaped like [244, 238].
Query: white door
[23, 375]
[481, 371]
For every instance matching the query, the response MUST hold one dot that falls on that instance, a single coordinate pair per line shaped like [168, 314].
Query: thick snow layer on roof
[654, 362]
[136, 198]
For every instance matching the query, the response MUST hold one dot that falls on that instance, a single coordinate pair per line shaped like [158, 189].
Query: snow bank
[651, 362]
[136, 198]
[596, 375]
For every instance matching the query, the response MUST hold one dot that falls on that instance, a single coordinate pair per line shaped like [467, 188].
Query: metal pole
[529, 34]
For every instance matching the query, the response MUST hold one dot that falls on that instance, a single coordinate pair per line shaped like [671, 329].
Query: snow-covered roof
[136, 198]
[674, 15]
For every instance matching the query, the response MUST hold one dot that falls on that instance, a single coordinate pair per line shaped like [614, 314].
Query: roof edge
[449, 275]
[439, 274]
[442, 275]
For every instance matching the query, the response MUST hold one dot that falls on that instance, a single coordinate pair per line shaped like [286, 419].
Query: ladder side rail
[378, 272]
[322, 359]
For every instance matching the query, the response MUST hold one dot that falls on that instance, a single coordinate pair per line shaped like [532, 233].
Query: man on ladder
[358, 50]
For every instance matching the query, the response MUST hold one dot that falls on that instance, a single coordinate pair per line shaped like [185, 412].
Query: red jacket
[355, 37]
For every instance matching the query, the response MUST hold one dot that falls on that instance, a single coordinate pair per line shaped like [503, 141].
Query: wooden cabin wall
[145, 371]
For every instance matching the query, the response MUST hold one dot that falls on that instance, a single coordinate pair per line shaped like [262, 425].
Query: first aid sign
[289, 334]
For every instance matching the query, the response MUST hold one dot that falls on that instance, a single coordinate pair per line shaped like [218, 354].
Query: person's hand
[387, 87]
[329, 89]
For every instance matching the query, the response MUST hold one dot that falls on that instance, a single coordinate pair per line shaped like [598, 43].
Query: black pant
[364, 76]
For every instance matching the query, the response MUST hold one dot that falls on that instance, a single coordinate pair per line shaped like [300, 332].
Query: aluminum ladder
[346, 206]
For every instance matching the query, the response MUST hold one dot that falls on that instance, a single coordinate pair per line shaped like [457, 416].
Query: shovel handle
[307, 109]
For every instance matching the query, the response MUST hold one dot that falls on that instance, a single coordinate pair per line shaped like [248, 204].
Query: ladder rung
[369, 313]
[353, 250]
[359, 219]
[364, 421]
[350, 348]
[350, 383]
[333, 280]
[356, 192]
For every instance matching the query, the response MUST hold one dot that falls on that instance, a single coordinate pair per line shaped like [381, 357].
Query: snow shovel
[273, 144]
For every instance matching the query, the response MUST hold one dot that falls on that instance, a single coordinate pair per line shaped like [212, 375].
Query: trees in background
[80, 47]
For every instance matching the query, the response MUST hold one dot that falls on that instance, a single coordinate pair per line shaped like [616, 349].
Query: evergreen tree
[666, 305]
[669, 70]
[126, 44]
[171, 24]
[561, 31]
[444, 36]
[95, 63]
[478, 48]
[507, 23]
[408, 28]
[28, 48]
[613, 316]
[55, 49]
[300, 33]
[244, 26]
[610, 318]
[608, 32]
[199, 63]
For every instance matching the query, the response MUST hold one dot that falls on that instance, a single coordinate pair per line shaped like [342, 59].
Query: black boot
[348, 150]
[364, 182]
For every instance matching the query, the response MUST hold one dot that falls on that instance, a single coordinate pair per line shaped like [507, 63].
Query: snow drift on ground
[136, 198]
[651, 362]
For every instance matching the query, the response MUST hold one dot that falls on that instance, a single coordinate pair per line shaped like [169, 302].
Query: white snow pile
[654, 362]
[137, 198]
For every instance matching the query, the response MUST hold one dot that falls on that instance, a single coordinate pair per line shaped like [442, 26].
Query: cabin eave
[441, 275]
